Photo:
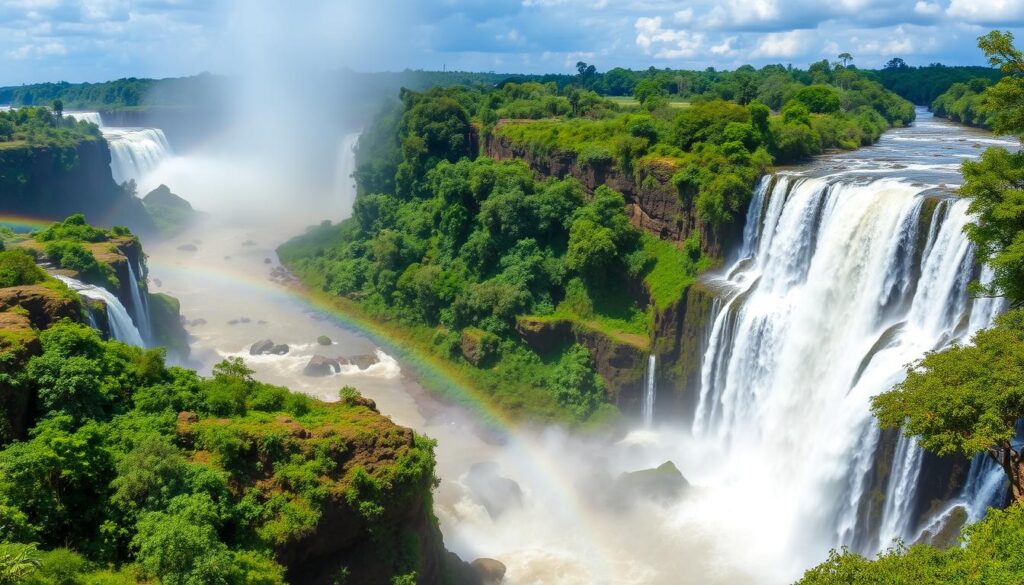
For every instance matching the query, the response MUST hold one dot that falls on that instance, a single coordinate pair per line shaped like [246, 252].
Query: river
[731, 528]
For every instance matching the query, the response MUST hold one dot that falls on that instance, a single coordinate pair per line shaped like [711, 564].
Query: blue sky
[94, 40]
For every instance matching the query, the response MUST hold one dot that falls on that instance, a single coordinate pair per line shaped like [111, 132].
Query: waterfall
[140, 308]
[122, 328]
[93, 117]
[136, 152]
[837, 289]
[650, 392]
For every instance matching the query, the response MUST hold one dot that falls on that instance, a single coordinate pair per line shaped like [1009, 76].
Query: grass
[672, 271]
[631, 102]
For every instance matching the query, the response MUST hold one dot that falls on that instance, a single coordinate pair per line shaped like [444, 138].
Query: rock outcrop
[319, 366]
[268, 347]
[653, 202]
[664, 483]
[40, 304]
[620, 361]
[53, 183]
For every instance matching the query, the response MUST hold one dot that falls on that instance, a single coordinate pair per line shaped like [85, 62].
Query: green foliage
[576, 384]
[18, 267]
[965, 399]
[38, 126]
[996, 185]
[111, 472]
[819, 98]
[990, 554]
[964, 103]
[17, 561]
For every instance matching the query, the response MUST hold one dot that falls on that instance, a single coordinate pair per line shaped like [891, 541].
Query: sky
[97, 40]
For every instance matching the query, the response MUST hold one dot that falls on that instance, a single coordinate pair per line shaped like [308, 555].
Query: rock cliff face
[24, 310]
[619, 362]
[53, 183]
[653, 202]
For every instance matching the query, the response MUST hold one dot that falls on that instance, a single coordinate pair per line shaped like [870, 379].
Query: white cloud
[987, 11]
[684, 16]
[666, 43]
[724, 48]
[47, 49]
[780, 44]
[927, 8]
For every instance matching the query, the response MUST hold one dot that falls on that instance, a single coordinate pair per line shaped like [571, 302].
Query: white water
[827, 313]
[122, 328]
[650, 390]
[93, 117]
[136, 152]
[140, 308]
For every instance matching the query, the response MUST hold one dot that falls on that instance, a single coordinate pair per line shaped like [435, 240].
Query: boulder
[321, 366]
[267, 260]
[495, 493]
[188, 247]
[267, 346]
[663, 483]
[323, 340]
[362, 361]
[163, 197]
[491, 572]
[477, 346]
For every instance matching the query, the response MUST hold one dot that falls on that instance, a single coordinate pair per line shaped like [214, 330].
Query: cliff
[53, 182]
[653, 202]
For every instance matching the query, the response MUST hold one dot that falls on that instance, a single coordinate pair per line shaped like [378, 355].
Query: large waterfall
[122, 328]
[136, 152]
[844, 282]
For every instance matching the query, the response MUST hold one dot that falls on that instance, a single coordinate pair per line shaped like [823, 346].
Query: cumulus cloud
[989, 12]
[93, 40]
[787, 44]
[666, 43]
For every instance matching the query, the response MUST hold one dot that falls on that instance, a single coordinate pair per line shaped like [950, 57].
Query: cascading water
[122, 328]
[136, 152]
[650, 393]
[844, 282]
[140, 308]
[93, 117]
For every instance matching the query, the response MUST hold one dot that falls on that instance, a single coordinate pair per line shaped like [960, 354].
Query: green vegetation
[990, 554]
[18, 267]
[922, 85]
[118, 487]
[964, 103]
[44, 127]
[447, 243]
[124, 93]
[73, 244]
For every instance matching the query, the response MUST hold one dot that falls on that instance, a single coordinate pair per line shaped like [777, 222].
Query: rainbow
[434, 377]
[23, 223]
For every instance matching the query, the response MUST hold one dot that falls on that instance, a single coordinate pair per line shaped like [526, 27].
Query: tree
[996, 185]
[1004, 101]
[896, 63]
[17, 561]
[819, 98]
[966, 399]
[845, 59]
[58, 108]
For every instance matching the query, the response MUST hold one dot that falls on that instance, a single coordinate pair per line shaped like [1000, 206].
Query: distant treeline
[920, 85]
[119, 94]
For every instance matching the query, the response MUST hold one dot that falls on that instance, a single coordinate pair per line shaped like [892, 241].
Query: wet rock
[188, 248]
[323, 340]
[197, 322]
[267, 260]
[496, 493]
[248, 243]
[362, 361]
[268, 347]
[157, 282]
[233, 322]
[319, 366]
[244, 320]
[664, 483]
[491, 572]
